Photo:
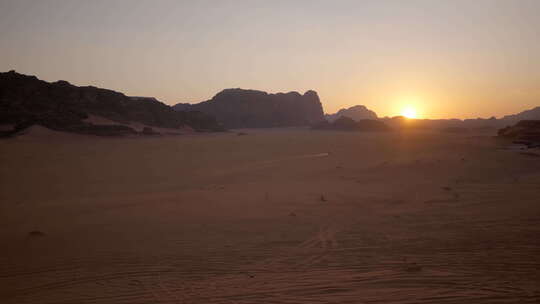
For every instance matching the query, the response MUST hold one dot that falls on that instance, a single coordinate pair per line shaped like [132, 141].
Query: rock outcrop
[238, 108]
[526, 132]
[356, 113]
[26, 100]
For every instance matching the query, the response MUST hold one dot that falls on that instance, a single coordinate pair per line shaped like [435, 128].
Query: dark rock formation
[26, 100]
[356, 113]
[348, 124]
[149, 131]
[238, 108]
[526, 132]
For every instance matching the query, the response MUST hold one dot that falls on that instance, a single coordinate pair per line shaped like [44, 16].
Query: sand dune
[98, 120]
[280, 216]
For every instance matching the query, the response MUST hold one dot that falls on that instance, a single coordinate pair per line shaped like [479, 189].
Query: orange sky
[446, 59]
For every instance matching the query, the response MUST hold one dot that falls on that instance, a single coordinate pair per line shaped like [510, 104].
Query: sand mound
[41, 133]
[139, 127]
[162, 131]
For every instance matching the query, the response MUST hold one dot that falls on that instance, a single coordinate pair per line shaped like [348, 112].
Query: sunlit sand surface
[277, 216]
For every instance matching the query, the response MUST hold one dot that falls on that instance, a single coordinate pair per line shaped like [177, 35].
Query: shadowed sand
[276, 216]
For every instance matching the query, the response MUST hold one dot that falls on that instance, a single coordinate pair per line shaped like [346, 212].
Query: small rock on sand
[36, 233]
[413, 268]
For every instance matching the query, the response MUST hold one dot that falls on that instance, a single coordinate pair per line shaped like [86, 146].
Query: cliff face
[26, 100]
[356, 113]
[238, 108]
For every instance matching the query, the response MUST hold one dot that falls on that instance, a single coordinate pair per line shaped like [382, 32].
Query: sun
[409, 112]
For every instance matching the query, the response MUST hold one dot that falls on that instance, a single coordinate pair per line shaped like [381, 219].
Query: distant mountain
[239, 108]
[356, 113]
[26, 100]
[345, 123]
[450, 125]
[532, 114]
[458, 125]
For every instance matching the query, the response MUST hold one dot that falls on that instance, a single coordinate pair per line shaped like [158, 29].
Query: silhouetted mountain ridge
[532, 114]
[360, 112]
[458, 125]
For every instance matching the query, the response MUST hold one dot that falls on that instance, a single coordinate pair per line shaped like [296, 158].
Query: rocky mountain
[356, 113]
[239, 108]
[26, 100]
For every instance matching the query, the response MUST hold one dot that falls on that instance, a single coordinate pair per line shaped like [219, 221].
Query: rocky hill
[26, 100]
[525, 132]
[356, 113]
[238, 108]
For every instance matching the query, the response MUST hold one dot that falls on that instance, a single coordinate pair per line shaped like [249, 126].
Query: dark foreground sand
[269, 217]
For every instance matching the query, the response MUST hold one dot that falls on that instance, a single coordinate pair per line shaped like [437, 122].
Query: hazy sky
[445, 58]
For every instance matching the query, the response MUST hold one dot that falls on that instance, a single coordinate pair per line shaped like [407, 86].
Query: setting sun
[409, 112]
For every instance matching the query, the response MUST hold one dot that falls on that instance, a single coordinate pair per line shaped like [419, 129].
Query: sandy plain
[275, 216]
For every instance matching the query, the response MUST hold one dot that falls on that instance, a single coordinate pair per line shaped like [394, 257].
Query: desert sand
[275, 216]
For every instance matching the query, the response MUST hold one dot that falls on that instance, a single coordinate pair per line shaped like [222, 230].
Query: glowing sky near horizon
[444, 59]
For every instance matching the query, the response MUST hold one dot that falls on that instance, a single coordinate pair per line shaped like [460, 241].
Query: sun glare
[409, 112]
